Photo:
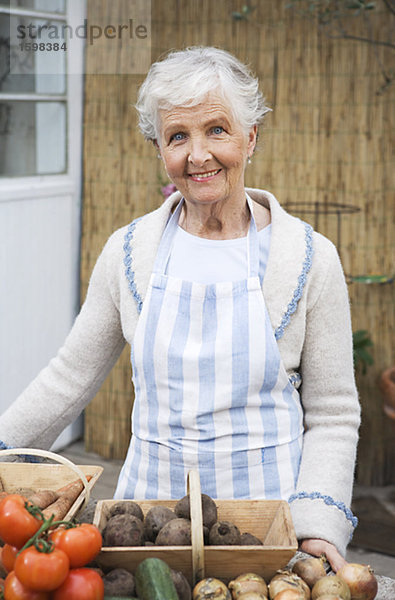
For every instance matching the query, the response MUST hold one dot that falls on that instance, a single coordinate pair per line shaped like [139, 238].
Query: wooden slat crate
[14, 476]
[269, 520]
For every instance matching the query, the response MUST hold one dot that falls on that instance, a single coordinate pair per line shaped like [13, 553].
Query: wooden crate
[46, 477]
[269, 520]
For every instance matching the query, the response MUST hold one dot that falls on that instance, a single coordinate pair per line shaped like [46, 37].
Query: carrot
[67, 496]
[43, 498]
[59, 508]
[73, 486]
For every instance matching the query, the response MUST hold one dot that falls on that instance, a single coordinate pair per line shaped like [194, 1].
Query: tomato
[17, 525]
[40, 570]
[81, 543]
[15, 590]
[81, 584]
[8, 556]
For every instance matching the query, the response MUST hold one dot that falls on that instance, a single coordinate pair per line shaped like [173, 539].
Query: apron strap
[166, 243]
[252, 243]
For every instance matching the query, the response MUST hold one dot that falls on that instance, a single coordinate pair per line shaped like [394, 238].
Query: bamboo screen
[326, 143]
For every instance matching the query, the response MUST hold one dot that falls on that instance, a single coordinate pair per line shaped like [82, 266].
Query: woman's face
[205, 151]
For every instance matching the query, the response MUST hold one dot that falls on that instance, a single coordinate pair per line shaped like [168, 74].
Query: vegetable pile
[49, 558]
[126, 526]
[306, 581]
[154, 580]
[45, 556]
[162, 526]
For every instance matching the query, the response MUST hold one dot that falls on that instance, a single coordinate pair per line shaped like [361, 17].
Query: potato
[127, 507]
[224, 533]
[123, 530]
[206, 534]
[155, 519]
[176, 532]
[181, 584]
[209, 510]
[87, 515]
[247, 539]
[119, 582]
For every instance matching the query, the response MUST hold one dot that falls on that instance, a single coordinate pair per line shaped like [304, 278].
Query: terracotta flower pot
[387, 388]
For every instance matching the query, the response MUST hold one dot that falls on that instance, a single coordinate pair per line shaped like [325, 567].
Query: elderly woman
[238, 319]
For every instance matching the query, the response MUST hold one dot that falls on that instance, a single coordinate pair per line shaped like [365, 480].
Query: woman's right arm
[61, 390]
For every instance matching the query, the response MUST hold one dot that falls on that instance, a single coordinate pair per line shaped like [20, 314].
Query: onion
[290, 595]
[285, 580]
[310, 569]
[329, 597]
[360, 579]
[211, 588]
[331, 585]
[248, 582]
[252, 596]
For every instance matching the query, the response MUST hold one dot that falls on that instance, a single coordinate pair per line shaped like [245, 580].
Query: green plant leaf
[361, 356]
[365, 356]
[238, 16]
[360, 334]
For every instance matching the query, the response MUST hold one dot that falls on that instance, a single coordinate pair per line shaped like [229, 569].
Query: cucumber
[153, 580]
[120, 598]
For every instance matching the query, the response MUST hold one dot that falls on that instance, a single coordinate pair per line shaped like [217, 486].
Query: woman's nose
[198, 152]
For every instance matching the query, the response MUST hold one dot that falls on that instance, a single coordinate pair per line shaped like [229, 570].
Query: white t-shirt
[206, 261]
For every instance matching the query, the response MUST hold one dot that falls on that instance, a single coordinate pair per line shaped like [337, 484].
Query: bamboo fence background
[328, 140]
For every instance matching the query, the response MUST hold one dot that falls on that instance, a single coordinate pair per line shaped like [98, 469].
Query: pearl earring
[249, 160]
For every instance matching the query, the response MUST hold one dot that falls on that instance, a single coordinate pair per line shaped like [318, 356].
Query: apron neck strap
[167, 239]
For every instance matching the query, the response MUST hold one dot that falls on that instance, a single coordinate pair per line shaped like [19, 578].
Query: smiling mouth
[203, 176]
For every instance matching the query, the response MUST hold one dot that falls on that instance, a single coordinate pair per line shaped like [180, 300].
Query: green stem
[69, 524]
[40, 544]
[44, 527]
[34, 510]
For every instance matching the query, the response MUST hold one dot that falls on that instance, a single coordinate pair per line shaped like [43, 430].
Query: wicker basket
[269, 520]
[14, 475]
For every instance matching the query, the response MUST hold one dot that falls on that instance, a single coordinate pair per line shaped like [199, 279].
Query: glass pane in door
[32, 138]
[58, 6]
[24, 67]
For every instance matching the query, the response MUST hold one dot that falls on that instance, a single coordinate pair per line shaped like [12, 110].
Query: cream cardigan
[307, 300]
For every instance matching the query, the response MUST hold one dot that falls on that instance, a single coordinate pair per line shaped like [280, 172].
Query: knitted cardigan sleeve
[61, 390]
[320, 505]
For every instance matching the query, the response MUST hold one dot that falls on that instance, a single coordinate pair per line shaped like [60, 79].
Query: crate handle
[57, 458]
[195, 502]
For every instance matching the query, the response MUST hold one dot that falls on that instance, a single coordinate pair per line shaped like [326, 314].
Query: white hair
[185, 77]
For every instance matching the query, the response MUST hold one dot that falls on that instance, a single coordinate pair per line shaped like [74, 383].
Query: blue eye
[218, 130]
[177, 137]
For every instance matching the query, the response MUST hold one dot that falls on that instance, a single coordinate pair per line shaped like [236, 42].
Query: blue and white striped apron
[211, 391]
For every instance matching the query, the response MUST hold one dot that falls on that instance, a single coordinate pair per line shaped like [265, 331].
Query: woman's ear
[252, 139]
[157, 148]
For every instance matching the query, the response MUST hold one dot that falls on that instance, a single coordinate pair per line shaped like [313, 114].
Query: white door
[40, 195]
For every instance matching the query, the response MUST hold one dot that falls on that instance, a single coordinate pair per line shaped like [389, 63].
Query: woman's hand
[316, 547]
